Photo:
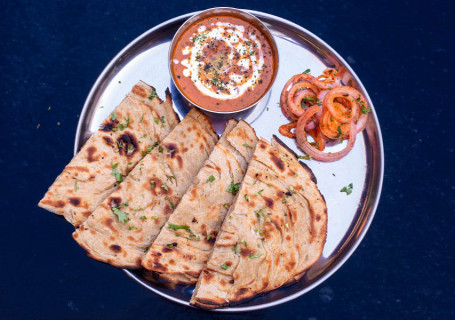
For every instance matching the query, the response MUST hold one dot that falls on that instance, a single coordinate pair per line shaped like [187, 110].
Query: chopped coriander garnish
[132, 228]
[172, 205]
[244, 243]
[152, 184]
[162, 119]
[164, 186]
[157, 120]
[347, 189]
[305, 157]
[248, 145]
[113, 116]
[143, 217]
[154, 217]
[210, 179]
[255, 256]
[142, 118]
[121, 215]
[246, 197]
[233, 187]
[307, 71]
[116, 173]
[226, 206]
[223, 266]
[209, 236]
[340, 132]
[258, 212]
[152, 95]
[124, 125]
[235, 248]
[176, 227]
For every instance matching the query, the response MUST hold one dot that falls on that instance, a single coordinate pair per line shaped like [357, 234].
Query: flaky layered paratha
[122, 228]
[182, 248]
[273, 232]
[131, 130]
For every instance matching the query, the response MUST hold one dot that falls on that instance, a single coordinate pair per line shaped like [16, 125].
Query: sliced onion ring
[316, 154]
[285, 129]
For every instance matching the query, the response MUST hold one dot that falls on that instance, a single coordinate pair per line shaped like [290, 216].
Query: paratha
[182, 248]
[140, 121]
[274, 231]
[122, 228]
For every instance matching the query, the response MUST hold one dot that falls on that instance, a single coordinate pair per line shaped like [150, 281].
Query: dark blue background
[51, 54]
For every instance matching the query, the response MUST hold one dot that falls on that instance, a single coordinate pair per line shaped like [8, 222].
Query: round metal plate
[348, 216]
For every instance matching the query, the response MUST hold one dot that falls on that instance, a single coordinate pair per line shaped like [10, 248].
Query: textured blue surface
[52, 52]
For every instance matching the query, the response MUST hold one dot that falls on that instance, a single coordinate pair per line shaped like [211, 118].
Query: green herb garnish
[210, 179]
[347, 189]
[153, 95]
[121, 215]
[176, 227]
[116, 173]
[223, 266]
[122, 126]
[255, 256]
[233, 187]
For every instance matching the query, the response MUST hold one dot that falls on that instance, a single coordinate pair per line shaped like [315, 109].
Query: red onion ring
[303, 143]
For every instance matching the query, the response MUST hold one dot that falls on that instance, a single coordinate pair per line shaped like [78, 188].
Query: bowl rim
[238, 13]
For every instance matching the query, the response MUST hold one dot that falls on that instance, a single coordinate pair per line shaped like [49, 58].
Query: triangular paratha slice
[122, 228]
[182, 248]
[140, 121]
[274, 231]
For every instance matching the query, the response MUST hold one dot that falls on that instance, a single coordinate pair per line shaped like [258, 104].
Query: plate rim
[368, 220]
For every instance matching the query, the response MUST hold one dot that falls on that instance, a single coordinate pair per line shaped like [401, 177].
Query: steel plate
[348, 216]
